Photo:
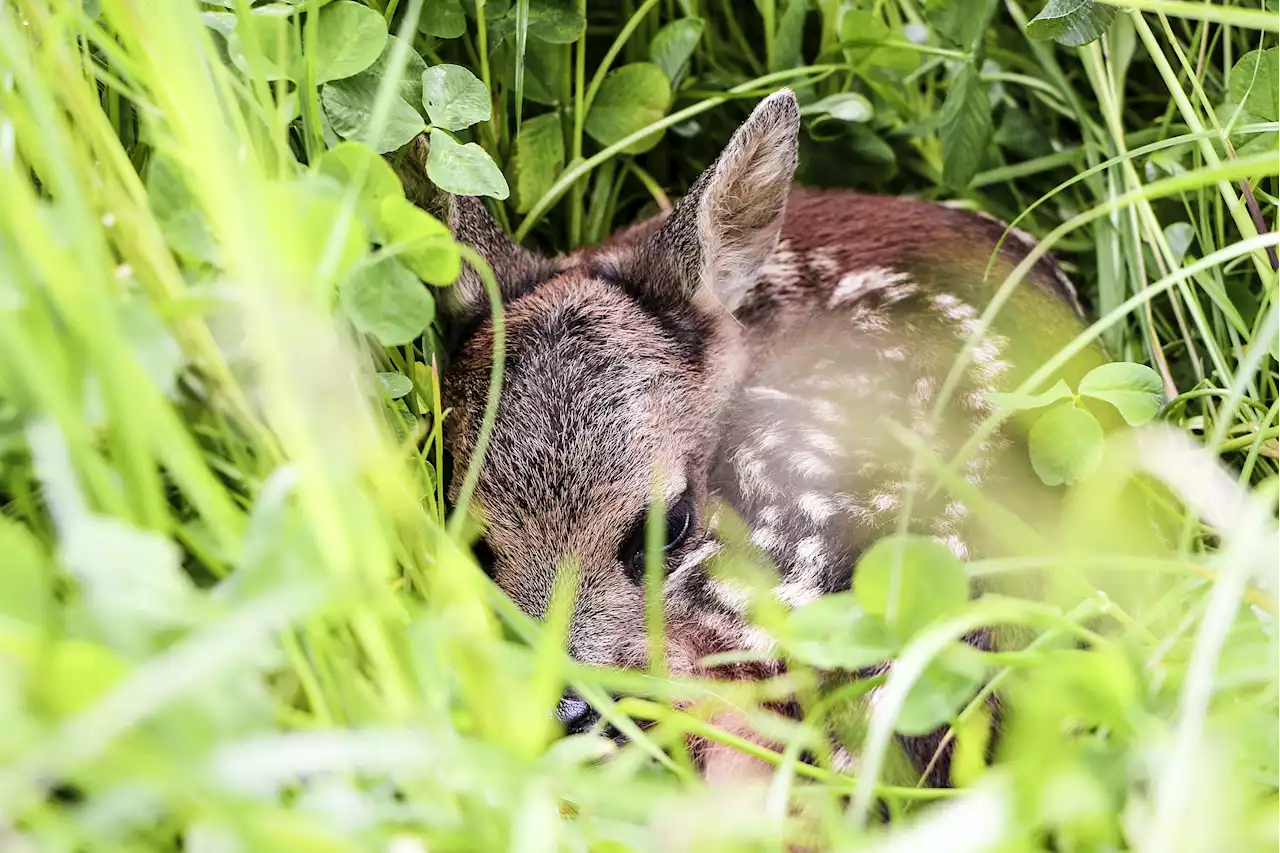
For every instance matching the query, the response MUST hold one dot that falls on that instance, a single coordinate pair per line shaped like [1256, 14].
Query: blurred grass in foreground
[231, 617]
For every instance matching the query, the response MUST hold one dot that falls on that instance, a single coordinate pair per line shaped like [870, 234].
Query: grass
[236, 614]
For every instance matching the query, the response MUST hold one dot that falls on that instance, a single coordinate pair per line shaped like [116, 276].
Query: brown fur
[745, 349]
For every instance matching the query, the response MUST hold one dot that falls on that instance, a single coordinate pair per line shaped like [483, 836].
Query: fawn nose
[575, 713]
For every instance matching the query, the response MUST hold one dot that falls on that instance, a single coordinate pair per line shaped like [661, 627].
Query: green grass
[235, 612]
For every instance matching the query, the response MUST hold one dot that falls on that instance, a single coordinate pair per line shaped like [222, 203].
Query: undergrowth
[235, 611]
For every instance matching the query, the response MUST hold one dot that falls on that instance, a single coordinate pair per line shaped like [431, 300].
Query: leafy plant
[1073, 23]
[1066, 442]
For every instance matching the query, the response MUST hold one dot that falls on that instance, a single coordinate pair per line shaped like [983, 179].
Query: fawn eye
[679, 523]
[680, 519]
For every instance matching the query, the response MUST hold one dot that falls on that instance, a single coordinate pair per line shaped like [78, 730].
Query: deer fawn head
[619, 362]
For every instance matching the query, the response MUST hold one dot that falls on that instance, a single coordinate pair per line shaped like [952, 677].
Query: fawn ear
[721, 233]
[515, 268]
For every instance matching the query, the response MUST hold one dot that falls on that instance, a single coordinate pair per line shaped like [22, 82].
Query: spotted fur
[748, 350]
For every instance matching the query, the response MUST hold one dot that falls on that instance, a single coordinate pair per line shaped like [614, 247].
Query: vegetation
[235, 612]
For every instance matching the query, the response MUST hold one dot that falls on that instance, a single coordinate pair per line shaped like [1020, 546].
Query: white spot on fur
[823, 442]
[817, 506]
[859, 384]
[978, 400]
[809, 465]
[769, 515]
[825, 263]
[955, 509]
[698, 555]
[897, 293]
[856, 284]
[953, 309]
[885, 502]
[731, 595]
[825, 410]
[849, 504]
[810, 552]
[867, 319]
[765, 538]
[753, 477]
[782, 268]
[985, 357]
[732, 629]
[894, 354]
[795, 594]
[923, 389]
[876, 695]
[755, 640]
[957, 546]
[764, 393]
[769, 438]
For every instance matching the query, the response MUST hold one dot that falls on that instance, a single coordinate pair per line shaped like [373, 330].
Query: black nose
[574, 712]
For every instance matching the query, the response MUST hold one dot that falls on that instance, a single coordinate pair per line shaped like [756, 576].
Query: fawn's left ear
[721, 233]
[515, 268]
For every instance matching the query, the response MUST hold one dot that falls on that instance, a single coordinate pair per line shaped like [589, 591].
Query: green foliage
[320, 241]
[234, 614]
[454, 98]
[630, 99]
[349, 106]
[260, 43]
[415, 67]
[536, 159]
[442, 18]
[1251, 86]
[548, 21]
[175, 210]
[1134, 389]
[24, 593]
[1065, 444]
[356, 164]
[946, 685]
[396, 385]
[835, 632]
[961, 21]
[910, 581]
[1022, 402]
[673, 45]
[349, 38]
[845, 106]
[868, 37]
[385, 300]
[965, 123]
[1253, 83]
[464, 169]
[1073, 23]
[426, 246]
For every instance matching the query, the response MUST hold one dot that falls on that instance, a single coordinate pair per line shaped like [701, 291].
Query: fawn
[746, 347]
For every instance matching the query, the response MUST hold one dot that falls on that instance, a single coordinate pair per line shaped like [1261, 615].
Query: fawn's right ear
[515, 268]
